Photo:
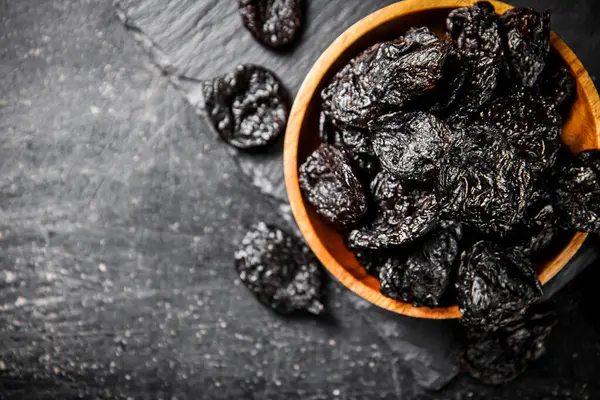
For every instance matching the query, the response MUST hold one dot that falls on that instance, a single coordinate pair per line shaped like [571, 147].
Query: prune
[331, 187]
[483, 182]
[501, 355]
[248, 107]
[372, 260]
[387, 74]
[328, 132]
[402, 215]
[410, 144]
[527, 35]
[446, 94]
[557, 85]
[539, 229]
[530, 124]
[274, 23]
[401, 73]
[422, 278]
[279, 270]
[476, 32]
[345, 100]
[577, 194]
[494, 282]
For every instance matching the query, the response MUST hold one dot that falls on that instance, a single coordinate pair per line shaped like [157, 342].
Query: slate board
[121, 208]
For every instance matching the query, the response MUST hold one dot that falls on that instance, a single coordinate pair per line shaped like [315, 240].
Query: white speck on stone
[2, 365]
[336, 392]
[20, 301]
[217, 384]
[1, 236]
[56, 370]
[10, 276]
[296, 367]
[332, 342]
[277, 382]
[94, 110]
[102, 267]
[128, 377]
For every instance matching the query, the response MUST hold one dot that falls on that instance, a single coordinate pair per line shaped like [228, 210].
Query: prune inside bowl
[580, 131]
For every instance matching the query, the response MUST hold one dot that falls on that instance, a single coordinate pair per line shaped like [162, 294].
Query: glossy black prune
[249, 107]
[530, 124]
[332, 188]
[421, 35]
[388, 74]
[280, 271]
[577, 194]
[274, 23]
[372, 260]
[476, 32]
[494, 282]
[483, 182]
[422, 278]
[527, 42]
[402, 214]
[499, 356]
[410, 144]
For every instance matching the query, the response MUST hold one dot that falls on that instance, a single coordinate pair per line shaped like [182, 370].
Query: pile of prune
[442, 167]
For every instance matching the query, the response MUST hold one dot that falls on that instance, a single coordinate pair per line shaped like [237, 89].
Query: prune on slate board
[274, 23]
[249, 107]
[410, 144]
[527, 35]
[423, 276]
[499, 356]
[332, 188]
[476, 32]
[577, 194]
[494, 282]
[280, 271]
[530, 123]
[402, 214]
[483, 182]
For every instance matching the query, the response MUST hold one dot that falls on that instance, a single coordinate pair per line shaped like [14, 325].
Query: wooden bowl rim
[308, 91]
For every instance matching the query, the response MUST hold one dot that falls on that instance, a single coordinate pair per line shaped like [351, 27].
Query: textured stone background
[120, 209]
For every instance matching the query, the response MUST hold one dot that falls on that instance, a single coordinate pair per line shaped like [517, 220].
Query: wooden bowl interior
[579, 132]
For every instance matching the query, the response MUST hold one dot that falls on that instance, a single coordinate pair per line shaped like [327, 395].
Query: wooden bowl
[580, 132]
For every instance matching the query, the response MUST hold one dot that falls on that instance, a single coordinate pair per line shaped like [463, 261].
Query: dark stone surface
[121, 209]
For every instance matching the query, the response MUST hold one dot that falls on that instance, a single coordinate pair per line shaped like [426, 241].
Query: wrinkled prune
[577, 194]
[501, 355]
[421, 35]
[402, 215]
[483, 182]
[530, 125]
[494, 282]
[274, 23]
[372, 260]
[422, 278]
[248, 107]
[557, 84]
[279, 270]
[539, 229]
[410, 144]
[330, 185]
[387, 74]
[478, 39]
[400, 73]
[527, 35]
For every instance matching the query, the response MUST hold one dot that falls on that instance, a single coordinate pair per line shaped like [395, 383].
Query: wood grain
[580, 132]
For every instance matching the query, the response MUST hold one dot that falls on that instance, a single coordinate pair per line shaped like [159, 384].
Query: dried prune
[328, 132]
[249, 107]
[577, 194]
[539, 230]
[372, 260]
[330, 185]
[530, 124]
[280, 271]
[401, 72]
[527, 36]
[274, 23]
[557, 84]
[387, 74]
[477, 35]
[410, 144]
[422, 278]
[402, 215]
[421, 35]
[499, 356]
[446, 94]
[483, 182]
[494, 282]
